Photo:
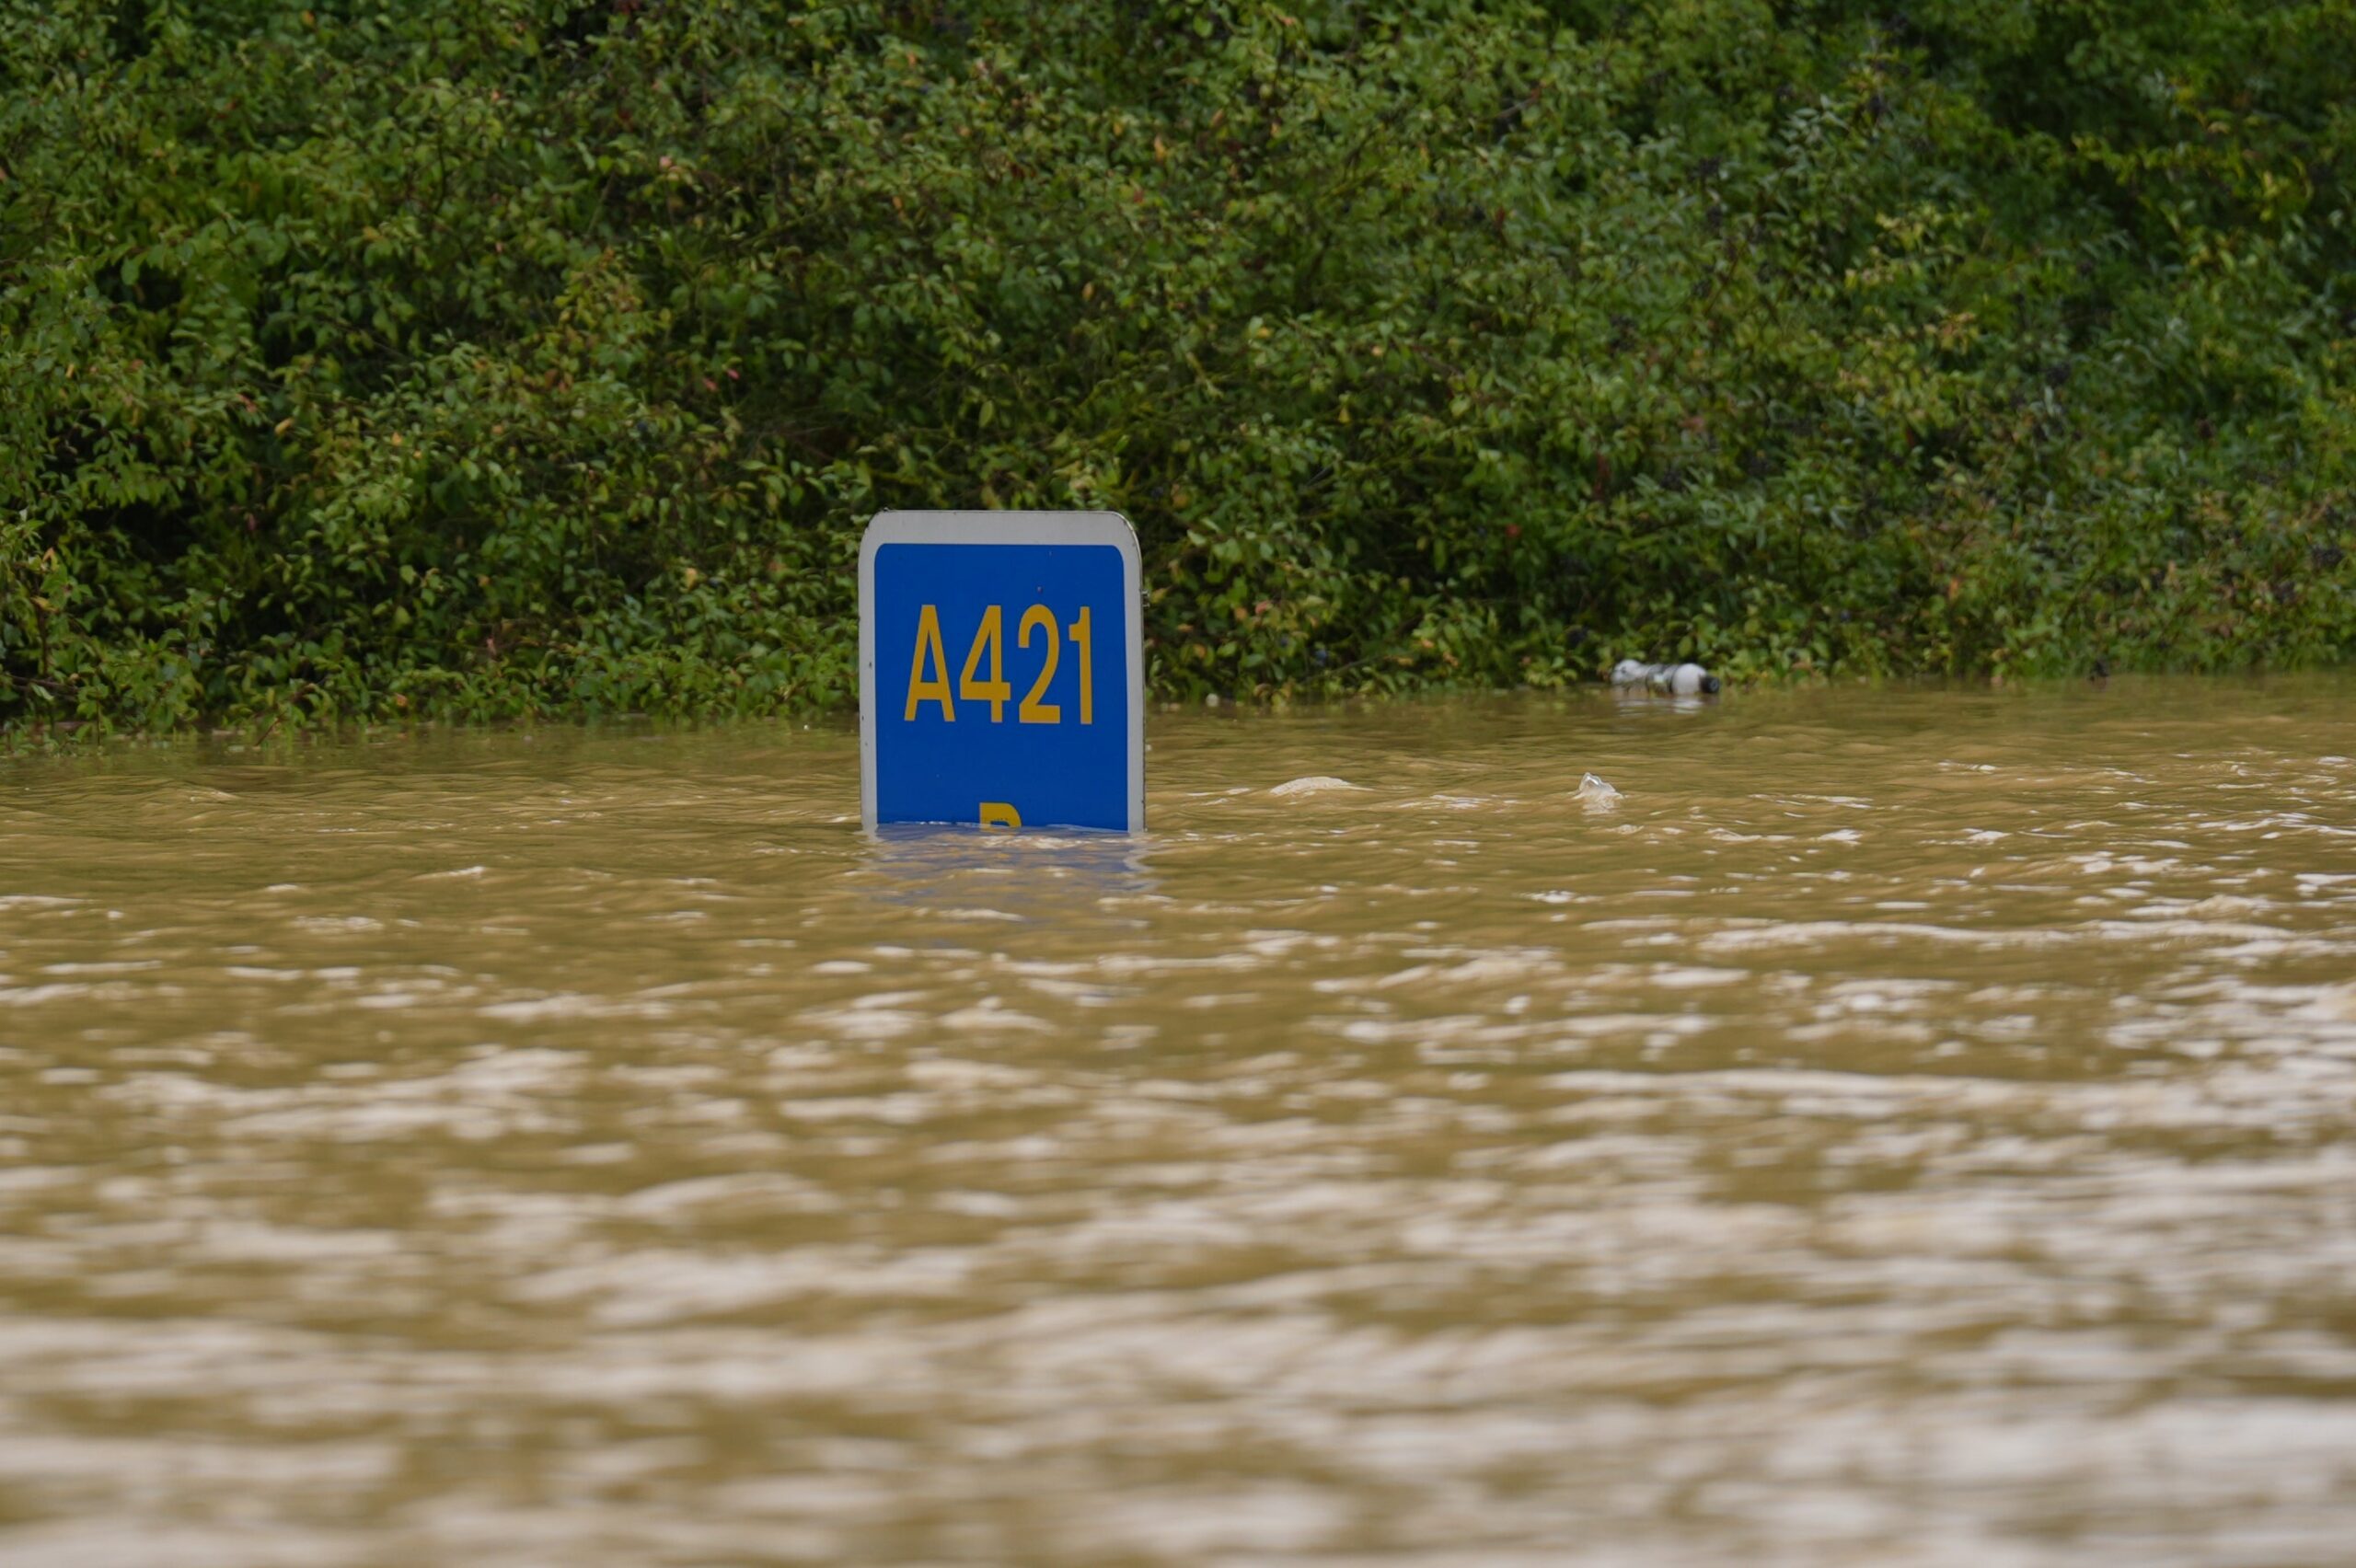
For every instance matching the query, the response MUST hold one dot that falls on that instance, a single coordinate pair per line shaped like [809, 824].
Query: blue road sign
[1001, 669]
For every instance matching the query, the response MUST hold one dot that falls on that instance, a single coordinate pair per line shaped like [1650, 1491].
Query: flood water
[1908, 1126]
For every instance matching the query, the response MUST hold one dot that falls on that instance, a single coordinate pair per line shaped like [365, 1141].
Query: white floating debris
[1594, 791]
[1678, 680]
[1316, 784]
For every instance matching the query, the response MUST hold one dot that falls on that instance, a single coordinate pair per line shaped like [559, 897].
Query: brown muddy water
[1903, 1127]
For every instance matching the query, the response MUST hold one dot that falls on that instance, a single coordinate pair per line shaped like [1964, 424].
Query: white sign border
[1002, 528]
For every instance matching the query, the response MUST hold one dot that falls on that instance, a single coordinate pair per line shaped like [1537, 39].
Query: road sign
[1001, 669]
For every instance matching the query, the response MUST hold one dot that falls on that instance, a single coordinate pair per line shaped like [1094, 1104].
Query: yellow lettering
[1080, 641]
[936, 688]
[998, 814]
[1032, 711]
[991, 637]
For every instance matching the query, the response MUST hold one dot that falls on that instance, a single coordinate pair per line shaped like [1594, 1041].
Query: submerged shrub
[526, 356]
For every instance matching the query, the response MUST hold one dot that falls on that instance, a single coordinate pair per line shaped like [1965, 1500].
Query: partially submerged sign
[1001, 669]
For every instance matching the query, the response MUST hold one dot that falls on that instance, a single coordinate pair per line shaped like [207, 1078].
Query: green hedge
[470, 358]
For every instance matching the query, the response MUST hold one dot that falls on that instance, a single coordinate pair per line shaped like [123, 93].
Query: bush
[512, 356]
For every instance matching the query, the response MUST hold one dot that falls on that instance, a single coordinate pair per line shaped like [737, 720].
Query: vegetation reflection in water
[1904, 1126]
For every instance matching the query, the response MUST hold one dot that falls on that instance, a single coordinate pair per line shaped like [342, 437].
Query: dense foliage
[479, 357]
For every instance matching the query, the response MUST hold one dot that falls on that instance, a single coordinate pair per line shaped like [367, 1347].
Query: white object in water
[1678, 680]
[1317, 784]
[1594, 791]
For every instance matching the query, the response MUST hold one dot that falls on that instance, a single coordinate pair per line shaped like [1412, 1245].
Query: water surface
[1903, 1127]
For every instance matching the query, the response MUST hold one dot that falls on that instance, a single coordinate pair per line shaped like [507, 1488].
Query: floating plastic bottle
[1678, 680]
